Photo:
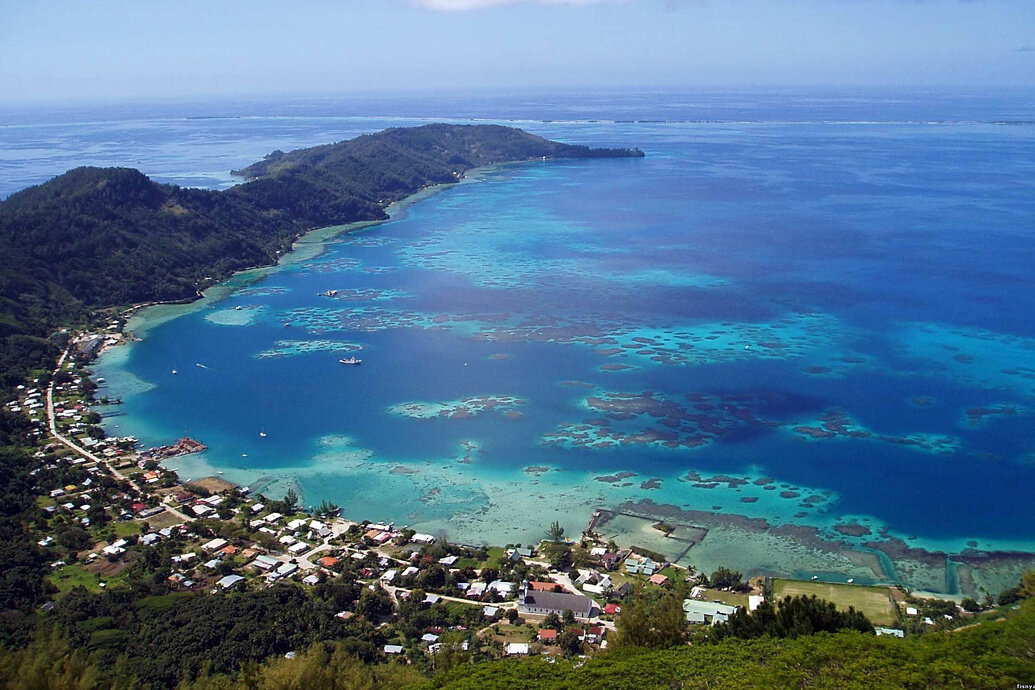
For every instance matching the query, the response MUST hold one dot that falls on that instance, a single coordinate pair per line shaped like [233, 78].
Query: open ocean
[800, 329]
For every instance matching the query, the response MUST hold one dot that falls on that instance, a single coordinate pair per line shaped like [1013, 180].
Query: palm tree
[556, 532]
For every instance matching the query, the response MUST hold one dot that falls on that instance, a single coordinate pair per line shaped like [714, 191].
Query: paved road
[52, 422]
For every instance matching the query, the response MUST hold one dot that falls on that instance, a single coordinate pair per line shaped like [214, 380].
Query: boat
[351, 360]
[262, 434]
[174, 371]
[237, 308]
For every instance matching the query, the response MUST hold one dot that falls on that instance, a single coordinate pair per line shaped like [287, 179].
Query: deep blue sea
[799, 312]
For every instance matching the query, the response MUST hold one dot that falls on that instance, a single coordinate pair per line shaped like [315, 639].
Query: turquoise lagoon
[812, 339]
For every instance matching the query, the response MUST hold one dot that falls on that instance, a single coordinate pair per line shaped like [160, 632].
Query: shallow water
[777, 328]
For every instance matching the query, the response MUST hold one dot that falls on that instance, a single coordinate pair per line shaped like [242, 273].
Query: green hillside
[996, 654]
[96, 237]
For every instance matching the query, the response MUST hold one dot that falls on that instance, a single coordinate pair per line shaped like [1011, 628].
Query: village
[114, 509]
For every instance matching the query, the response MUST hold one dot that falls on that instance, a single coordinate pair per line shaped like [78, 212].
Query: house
[214, 545]
[448, 561]
[311, 580]
[229, 582]
[264, 562]
[298, 548]
[476, 590]
[895, 632]
[422, 538]
[490, 611]
[389, 575]
[517, 648]
[428, 638]
[754, 601]
[595, 634]
[213, 564]
[285, 570]
[328, 561]
[116, 548]
[519, 553]
[612, 609]
[593, 582]
[393, 649]
[410, 570]
[610, 560]
[537, 602]
[500, 587]
[547, 635]
[297, 523]
[658, 580]
[273, 517]
[432, 599]
[707, 612]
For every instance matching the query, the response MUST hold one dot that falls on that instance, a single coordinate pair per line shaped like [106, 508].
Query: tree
[969, 604]
[556, 532]
[512, 616]
[568, 641]
[290, 500]
[1028, 583]
[724, 578]
[791, 617]
[327, 508]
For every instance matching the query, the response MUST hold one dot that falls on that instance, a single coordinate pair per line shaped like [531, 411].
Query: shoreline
[141, 318]
[313, 243]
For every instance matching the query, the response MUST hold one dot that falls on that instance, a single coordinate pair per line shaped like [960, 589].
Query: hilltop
[100, 237]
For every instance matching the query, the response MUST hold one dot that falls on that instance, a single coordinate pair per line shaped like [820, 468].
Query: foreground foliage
[993, 654]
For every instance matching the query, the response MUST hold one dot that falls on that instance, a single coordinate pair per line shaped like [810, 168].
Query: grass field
[730, 598]
[69, 576]
[160, 521]
[873, 602]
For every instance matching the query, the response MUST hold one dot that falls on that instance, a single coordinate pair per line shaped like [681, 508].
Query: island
[118, 573]
[103, 237]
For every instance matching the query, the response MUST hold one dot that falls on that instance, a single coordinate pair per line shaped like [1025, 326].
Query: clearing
[874, 602]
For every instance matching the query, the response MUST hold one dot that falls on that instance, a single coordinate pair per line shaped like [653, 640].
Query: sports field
[874, 602]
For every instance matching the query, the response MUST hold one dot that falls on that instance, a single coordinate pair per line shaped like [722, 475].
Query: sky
[79, 51]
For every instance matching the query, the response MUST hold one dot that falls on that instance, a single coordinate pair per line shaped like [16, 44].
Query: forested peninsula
[100, 237]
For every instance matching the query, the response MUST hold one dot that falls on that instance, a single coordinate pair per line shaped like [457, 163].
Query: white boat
[351, 360]
[174, 371]
[262, 434]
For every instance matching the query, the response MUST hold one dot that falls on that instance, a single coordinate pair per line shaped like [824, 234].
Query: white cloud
[453, 5]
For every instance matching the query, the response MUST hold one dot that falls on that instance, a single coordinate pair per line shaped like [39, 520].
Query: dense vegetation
[791, 617]
[992, 654]
[988, 655]
[106, 237]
